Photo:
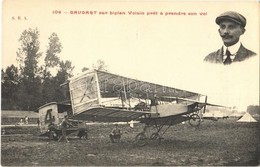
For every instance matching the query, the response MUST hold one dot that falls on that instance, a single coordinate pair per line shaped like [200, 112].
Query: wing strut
[86, 90]
[206, 99]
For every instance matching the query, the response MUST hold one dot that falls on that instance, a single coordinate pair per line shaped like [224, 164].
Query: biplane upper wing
[104, 114]
[111, 84]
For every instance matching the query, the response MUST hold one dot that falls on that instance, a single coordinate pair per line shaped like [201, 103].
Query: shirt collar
[232, 49]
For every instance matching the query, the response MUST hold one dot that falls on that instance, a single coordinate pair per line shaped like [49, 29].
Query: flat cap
[232, 16]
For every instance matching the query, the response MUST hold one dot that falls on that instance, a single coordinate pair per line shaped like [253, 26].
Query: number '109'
[56, 12]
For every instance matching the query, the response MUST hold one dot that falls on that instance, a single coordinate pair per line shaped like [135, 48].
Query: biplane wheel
[140, 139]
[194, 120]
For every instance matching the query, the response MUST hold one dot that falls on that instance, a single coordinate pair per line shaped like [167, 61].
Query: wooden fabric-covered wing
[104, 114]
[111, 85]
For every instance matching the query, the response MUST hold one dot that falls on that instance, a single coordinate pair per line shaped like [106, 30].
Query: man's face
[230, 32]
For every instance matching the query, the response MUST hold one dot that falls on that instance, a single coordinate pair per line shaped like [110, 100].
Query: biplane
[100, 96]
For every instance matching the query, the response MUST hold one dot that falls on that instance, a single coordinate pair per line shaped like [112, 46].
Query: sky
[143, 40]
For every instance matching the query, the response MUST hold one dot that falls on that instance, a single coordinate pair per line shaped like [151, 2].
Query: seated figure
[115, 135]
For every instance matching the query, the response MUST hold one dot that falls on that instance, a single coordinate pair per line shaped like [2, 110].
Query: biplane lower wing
[106, 114]
[170, 120]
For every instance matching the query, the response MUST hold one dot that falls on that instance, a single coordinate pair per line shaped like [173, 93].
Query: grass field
[221, 143]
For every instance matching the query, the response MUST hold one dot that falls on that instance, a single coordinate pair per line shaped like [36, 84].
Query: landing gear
[161, 125]
[155, 136]
[141, 139]
[194, 120]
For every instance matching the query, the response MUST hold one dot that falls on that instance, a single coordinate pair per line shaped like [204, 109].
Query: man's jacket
[241, 55]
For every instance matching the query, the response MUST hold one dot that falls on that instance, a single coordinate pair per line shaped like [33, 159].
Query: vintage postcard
[81, 66]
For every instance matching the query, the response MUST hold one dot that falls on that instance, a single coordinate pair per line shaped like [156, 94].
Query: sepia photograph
[130, 83]
[231, 27]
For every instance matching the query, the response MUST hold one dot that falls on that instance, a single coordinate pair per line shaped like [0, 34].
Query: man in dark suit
[231, 27]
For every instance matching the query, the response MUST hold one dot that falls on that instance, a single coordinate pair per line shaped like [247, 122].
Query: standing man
[26, 120]
[64, 125]
[38, 122]
[231, 27]
[154, 104]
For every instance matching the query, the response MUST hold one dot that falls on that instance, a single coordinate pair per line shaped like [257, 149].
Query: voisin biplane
[100, 96]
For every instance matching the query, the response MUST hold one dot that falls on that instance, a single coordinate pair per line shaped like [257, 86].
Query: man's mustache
[226, 36]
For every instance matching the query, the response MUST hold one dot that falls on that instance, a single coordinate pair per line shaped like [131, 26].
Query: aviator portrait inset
[231, 27]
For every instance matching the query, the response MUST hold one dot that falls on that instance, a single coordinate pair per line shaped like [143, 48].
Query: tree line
[32, 83]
